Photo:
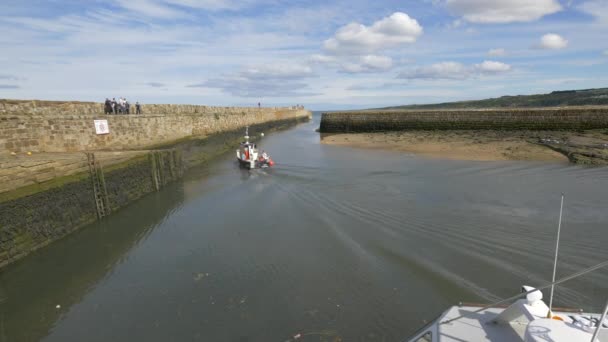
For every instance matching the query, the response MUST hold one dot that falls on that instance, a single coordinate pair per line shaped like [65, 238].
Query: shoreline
[584, 147]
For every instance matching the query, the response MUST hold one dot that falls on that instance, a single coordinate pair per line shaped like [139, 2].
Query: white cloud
[552, 41]
[370, 63]
[377, 62]
[443, 70]
[277, 71]
[597, 9]
[212, 5]
[277, 80]
[322, 59]
[244, 87]
[502, 11]
[227, 53]
[177, 54]
[155, 84]
[455, 70]
[455, 24]
[606, 53]
[354, 64]
[492, 67]
[150, 8]
[391, 31]
[497, 52]
[10, 77]
[169, 9]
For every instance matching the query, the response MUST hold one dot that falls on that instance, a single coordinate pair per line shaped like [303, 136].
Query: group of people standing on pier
[122, 106]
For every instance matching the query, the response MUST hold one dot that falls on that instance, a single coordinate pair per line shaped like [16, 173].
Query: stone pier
[558, 118]
[49, 187]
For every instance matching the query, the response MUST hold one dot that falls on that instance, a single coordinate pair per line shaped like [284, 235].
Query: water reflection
[63, 273]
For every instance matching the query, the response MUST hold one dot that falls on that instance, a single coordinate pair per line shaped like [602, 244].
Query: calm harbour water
[334, 243]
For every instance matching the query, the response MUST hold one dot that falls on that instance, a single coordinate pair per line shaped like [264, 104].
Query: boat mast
[559, 228]
[247, 134]
[599, 324]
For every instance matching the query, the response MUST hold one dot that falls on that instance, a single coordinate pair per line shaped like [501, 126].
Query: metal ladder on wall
[99, 186]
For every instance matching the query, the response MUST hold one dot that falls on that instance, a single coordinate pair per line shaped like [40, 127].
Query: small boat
[249, 157]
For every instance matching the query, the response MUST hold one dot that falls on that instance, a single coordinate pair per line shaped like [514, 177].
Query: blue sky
[323, 54]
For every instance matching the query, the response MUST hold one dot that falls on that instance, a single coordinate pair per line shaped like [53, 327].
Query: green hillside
[583, 97]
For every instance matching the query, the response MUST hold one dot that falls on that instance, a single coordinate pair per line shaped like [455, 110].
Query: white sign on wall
[101, 127]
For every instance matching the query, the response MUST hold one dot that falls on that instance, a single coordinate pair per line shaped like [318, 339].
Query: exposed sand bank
[584, 147]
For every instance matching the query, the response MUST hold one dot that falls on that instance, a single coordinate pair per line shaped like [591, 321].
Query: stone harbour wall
[46, 126]
[54, 191]
[563, 118]
[30, 222]
[30, 173]
[23, 170]
[35, 215]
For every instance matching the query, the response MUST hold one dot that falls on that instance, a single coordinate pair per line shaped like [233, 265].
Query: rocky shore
[589, 147]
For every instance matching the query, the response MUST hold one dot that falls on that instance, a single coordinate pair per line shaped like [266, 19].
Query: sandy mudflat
[462, 145]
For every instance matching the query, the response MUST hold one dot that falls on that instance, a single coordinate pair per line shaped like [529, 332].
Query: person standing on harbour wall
[107, 107]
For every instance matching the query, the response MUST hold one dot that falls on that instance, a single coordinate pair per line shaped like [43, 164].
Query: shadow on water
[64, 272]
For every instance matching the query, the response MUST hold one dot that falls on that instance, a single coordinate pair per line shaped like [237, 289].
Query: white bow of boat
[528, 319]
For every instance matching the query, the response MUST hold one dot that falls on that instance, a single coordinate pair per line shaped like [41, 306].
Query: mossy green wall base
[36, 219]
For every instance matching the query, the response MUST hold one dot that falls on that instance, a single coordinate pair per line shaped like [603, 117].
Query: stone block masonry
[45, 126]
[563, 118]
[32, 221]
[37, 214]
[23, 170]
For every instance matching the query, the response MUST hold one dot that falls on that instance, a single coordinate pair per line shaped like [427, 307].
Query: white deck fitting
[481, 327]
[478, 326]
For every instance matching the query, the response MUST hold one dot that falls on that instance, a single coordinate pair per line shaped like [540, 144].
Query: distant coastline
[561, 98]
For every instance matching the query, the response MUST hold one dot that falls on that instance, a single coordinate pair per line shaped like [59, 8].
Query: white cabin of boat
[247, 153]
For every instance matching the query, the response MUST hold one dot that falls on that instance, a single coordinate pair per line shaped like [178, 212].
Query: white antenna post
[559, 228]
[599, 324]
